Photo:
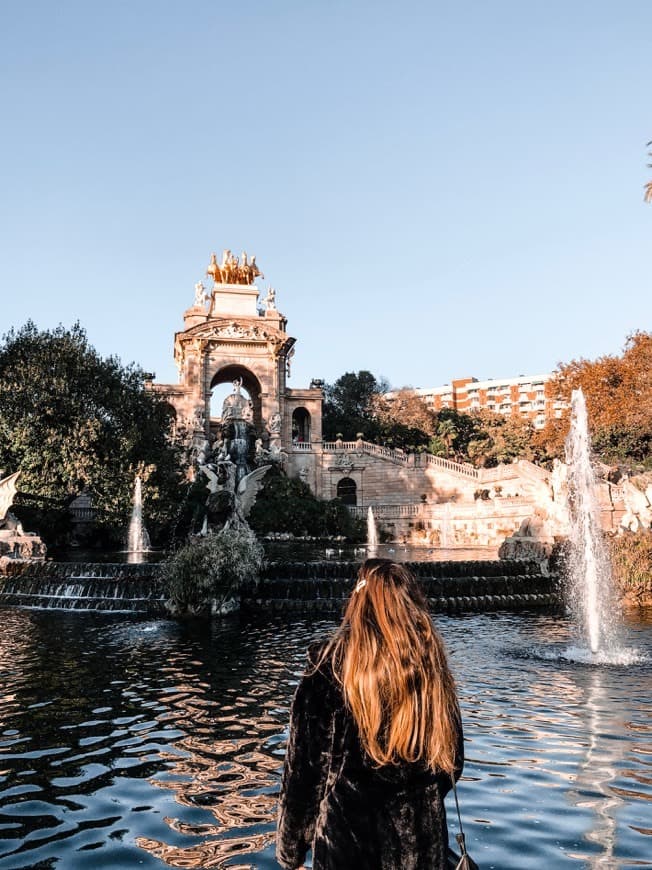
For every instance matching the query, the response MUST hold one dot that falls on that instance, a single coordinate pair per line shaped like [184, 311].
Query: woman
[375, 737]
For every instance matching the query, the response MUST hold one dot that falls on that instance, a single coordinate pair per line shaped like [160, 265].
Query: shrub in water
[211, 571]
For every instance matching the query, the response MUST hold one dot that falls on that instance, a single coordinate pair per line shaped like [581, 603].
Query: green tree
[500, 439]
[71, 420]
[447, 432]
[287, 504]
[453, 433]
[348, 406]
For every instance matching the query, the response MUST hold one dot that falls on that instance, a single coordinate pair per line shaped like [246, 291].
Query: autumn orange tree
[405, 420]
[618, 391]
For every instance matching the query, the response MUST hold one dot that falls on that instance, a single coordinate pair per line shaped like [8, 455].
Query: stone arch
[250, 383]
[301, 426]
[347, 490]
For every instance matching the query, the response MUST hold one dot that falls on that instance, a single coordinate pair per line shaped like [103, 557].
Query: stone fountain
[235, 466]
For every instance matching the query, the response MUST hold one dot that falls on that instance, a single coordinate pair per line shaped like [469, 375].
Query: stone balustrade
[387, 511]
[401, 458]
[462, 468]
[397, 456]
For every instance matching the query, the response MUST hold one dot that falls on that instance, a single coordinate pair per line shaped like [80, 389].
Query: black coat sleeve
[306, 767]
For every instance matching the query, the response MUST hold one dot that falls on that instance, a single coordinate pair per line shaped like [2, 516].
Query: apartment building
[524, 396]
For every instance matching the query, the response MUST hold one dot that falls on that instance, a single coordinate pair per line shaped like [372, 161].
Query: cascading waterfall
[240, 450]
[591, 595]
[372, 531]
[137, 539]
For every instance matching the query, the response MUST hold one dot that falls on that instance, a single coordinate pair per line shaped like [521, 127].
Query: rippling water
[127, 743]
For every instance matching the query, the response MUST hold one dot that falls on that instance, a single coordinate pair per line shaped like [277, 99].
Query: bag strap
[459, 837]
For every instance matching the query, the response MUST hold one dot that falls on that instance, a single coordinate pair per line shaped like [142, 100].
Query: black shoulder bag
[463, 861]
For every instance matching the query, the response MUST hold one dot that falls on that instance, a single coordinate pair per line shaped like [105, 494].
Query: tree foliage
[618, 392]
[349, 406]
[405, 421]
[71, 420]
[498, 438]
[287, 504]
[212, 569]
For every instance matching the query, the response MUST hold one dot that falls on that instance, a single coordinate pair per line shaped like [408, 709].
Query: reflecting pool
[131, 743]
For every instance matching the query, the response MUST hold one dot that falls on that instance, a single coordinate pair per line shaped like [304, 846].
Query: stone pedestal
[233, 300]
[17, 545]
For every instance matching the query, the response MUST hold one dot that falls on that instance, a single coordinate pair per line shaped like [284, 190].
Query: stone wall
[423, 499]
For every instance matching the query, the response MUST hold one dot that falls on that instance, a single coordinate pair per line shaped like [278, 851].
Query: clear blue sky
[434, 189]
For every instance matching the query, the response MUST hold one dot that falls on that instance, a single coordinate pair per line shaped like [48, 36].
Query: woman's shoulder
[317, 651]
[320, 658]
[320, 662]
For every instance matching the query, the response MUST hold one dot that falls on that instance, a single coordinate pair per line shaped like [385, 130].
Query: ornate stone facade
[227, 337]
[418, 498]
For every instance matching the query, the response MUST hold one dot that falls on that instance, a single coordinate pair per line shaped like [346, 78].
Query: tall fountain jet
[137, 539]
[372, 533]
[591, 594]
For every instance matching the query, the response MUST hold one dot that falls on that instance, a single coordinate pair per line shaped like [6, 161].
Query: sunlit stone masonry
[232, 333]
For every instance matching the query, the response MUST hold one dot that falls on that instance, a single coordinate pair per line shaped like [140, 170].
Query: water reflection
[597, 772]
[153, 744]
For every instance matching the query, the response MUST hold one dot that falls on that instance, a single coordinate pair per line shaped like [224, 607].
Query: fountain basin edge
[452, 587]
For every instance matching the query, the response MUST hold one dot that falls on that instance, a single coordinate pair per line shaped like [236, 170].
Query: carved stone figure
[270, 299]
[248, 412]
[199, 417]
[255, 271]
[214, 271]
[276, 454]
[244, 270]
[344, 462]
[261, 453]
[8, 491]
[288, 362]
[204, 453]
[15, 542]
[234, 271]
[638, 507]
[228, 267]
[275, 422]
[235, 406]
[200, 293]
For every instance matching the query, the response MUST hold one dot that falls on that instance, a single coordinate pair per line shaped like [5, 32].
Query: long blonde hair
[391, 664]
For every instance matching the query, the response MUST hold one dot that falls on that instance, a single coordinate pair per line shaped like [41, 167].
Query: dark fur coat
[335, 801]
